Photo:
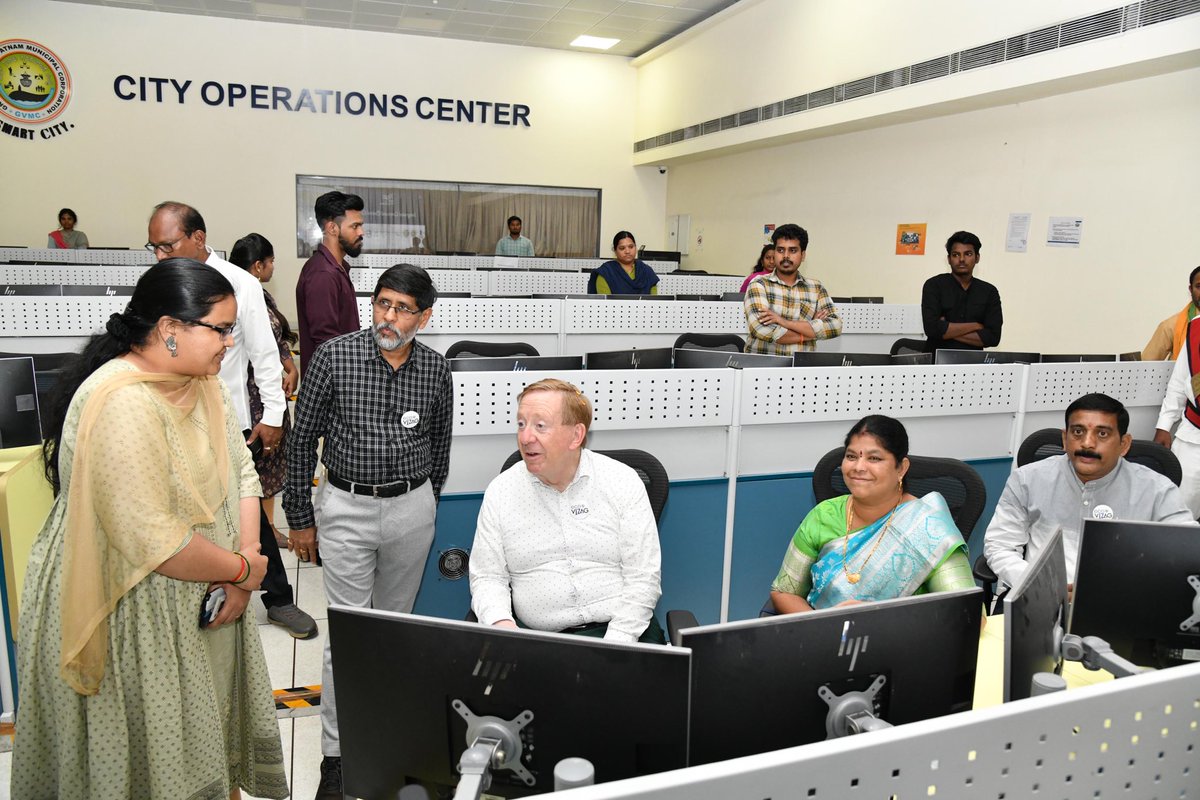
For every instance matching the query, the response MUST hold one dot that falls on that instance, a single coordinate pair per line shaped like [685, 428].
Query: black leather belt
[382, 490]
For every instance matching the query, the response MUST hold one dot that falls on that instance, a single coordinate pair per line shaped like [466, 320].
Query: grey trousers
[373, 553]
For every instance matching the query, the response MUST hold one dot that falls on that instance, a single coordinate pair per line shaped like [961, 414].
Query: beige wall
[238, 166]
[1122, 157]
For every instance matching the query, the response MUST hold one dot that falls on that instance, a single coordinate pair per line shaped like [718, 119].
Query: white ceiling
[639, 24]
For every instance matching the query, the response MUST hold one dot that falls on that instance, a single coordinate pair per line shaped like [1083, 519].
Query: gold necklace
[856, 576]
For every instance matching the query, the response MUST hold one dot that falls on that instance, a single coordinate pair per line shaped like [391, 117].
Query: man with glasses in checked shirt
[384, 404]
[785, 311]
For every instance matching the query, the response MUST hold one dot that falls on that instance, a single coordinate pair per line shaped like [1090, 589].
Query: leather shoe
[331, 779]
[295, 621]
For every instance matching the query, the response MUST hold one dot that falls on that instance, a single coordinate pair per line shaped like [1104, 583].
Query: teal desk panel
[691, 532]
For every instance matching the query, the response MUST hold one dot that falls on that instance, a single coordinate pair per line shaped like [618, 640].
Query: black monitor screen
[944, 356]
[693, 358]
[649, 358]
[516, 364]
[20, 424]
[812, 358]
[912, 358]
[755, 683]
[1136, 587]
[640, 296]
[1035, 618]
[621, 706]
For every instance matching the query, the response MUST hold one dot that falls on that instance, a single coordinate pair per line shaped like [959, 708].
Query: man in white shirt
[566, 540]
[1179, 406]
[1091, 479]
[178, 230]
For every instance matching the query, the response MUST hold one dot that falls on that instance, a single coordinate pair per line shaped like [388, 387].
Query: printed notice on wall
[1016, 240]
[910, 239]
[1064, 231]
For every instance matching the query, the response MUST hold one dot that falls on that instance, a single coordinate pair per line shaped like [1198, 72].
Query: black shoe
[331, 779]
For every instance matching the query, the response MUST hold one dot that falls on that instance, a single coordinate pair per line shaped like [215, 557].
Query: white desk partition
[135, 257]
[58, 317]
[1137, 737]
[620, 324]
[1140, 385]
[70, 274]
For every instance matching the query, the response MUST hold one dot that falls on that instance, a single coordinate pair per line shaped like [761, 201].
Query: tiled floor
[291, 663]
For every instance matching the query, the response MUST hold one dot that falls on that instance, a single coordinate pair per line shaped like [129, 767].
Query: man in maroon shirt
[325, 302]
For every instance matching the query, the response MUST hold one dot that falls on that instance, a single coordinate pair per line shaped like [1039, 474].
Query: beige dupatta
[114, 539]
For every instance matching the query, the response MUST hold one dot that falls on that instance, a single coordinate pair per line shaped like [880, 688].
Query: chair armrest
[678, 620]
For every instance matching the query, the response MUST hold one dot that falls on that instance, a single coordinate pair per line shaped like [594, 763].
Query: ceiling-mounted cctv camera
[662, 170]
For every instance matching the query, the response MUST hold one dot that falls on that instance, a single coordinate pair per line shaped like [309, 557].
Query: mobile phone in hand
[211, 606]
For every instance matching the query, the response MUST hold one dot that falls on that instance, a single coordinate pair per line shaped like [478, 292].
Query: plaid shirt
[509, 246]
[801, 301]
[354, 398]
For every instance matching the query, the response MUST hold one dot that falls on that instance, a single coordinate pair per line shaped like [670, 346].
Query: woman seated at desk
[627, 275]
[877, 543]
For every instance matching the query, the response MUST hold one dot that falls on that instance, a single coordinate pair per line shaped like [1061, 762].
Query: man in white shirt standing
[566, 540]
[1179, 406]
[178, 230]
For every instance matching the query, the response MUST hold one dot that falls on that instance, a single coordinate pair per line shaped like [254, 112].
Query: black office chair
[468, 349]
[732, 296]
[1131, 356]
[908, 346]
[648, 468]
[1047, 442]
[711, 341]
[955, 480]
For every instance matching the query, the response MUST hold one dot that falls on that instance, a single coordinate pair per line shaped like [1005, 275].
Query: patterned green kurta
[181, 712]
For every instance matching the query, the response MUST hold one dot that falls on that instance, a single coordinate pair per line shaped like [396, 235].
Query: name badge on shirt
[1103, 512]
[579, 510]
[410, 419]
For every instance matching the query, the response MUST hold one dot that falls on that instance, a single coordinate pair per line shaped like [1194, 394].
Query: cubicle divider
[740, 447]
[1136, 737]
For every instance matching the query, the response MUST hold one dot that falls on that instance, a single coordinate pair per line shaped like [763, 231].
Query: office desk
[989, 668]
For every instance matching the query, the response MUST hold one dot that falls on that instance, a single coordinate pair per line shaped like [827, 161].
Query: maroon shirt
[325, 303]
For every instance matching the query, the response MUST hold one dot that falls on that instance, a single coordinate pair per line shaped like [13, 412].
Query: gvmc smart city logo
[35, 88]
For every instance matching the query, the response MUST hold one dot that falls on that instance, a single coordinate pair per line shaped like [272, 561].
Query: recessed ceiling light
[594, 42]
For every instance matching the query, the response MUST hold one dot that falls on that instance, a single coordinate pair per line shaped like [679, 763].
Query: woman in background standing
[66, 237]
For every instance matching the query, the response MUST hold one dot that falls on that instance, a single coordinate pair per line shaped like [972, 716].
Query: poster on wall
[1064, 231]
[910, 239]
[1016, 237]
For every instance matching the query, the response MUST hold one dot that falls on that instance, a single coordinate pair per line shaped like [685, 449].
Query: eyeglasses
[167, 247]
[384, 307]
[224, 331]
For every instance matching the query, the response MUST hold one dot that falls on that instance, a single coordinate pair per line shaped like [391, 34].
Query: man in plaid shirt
[384, 403]
[786, 311]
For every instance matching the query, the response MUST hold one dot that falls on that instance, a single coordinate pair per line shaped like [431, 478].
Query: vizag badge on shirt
[410, 419]
[579, 510]
[1103, 512]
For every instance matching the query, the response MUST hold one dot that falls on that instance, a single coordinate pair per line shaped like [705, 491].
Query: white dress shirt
[564, 559]
[253, 343]
[1043, 496]
[1179, 390]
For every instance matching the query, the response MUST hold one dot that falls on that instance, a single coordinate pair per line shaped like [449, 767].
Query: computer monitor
[1035, 619]
[757, 684]
[648, 358]
[733, 296]
[944, 356]
[912, 358]
[78, 290]
[695, 358]
[1066, 358]
[20, 423]
[873, 300]
[661, 255]
[516, 364]
[812, 358]
[32, 290]
[640, 296]
[564, 296]
[401, 680]
[1137, 587]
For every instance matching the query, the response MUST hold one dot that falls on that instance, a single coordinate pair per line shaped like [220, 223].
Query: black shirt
[944, 300]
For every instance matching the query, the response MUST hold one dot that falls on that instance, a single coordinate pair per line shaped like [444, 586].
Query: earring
[172, 346]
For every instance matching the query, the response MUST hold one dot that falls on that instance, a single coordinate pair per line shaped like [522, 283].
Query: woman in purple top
[764, 266]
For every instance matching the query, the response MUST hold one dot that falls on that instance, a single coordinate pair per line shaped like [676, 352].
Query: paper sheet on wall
[1016, 239]
[1064, 231]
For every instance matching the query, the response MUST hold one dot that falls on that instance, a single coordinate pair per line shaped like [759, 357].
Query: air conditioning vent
[1106, 23]
[982, 56]
[1034, 42]
[1076, 31]
[821, 97]
[859, 88]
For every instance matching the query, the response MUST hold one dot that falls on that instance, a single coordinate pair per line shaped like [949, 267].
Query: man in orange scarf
[1167, 341]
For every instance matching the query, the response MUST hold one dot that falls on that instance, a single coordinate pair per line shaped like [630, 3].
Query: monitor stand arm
[494, 743]
[1096, 654]
[1194, 620]
[852, 712]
